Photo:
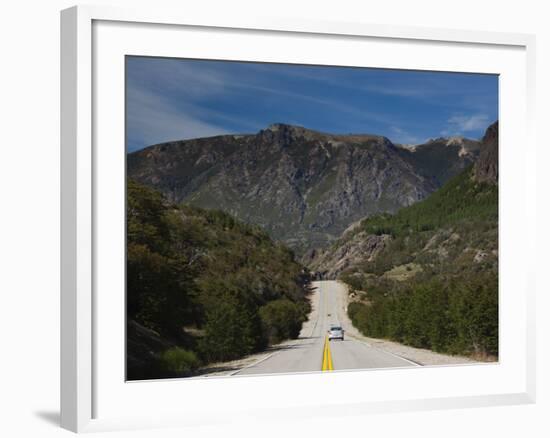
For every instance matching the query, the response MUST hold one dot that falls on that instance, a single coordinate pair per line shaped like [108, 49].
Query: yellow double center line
[327, 357]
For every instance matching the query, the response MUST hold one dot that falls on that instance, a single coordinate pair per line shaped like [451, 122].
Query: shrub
[233, 328]
[282, 319]
[179, 362]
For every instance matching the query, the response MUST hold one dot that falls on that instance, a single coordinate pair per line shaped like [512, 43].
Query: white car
[336, 332]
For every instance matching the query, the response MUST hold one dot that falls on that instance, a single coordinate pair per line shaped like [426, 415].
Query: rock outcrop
[360, 247]
[486, 167]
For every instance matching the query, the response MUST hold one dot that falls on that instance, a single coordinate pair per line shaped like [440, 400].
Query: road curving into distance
[313, 352]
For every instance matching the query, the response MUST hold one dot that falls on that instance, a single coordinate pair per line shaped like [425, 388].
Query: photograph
[293, 218]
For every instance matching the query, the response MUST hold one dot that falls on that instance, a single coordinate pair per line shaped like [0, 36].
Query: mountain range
[304, 187]
[457, 224]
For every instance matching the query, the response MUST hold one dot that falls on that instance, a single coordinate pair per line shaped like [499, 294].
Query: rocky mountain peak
[282, 134]
[443, 157]
[455, 140]
[274, 127]
[486, 166]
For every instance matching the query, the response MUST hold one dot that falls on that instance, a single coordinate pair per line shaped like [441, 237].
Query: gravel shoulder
[230, 368]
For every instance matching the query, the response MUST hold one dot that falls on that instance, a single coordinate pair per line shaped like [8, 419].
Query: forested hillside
[203, 287]
[433, 280]
[435, 284]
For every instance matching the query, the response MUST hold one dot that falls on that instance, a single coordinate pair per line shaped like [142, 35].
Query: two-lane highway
[309, 351]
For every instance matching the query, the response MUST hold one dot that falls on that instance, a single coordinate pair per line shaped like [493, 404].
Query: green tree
[233, 327]
[282, 319]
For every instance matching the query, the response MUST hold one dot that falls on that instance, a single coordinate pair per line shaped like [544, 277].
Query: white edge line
[387, 352]
[259, 361]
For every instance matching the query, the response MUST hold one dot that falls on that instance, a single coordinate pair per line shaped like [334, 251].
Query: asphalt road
[306, 353]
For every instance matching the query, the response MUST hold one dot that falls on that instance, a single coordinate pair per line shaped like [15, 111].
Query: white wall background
[29, 216]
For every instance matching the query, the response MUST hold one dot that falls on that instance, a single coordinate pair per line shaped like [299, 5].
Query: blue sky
[173, 99]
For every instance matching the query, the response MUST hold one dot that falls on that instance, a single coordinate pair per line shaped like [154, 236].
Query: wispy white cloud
[412, 92]
[377, 88]
[460, 124]
[402, 136]
[189, 80]
[151, 119]
[165, 102]
[335, 106]
[429, 90]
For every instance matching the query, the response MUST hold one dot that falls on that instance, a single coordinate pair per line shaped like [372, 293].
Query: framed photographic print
[264, 208]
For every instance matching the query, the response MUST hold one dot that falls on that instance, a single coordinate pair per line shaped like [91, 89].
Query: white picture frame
[88, 76]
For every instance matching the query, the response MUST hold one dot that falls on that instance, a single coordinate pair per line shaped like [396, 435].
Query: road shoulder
[231, 368]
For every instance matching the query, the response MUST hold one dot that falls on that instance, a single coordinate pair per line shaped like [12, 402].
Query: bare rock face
[442, 158]
[303, 187]
[360, 247]
[486, 166]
